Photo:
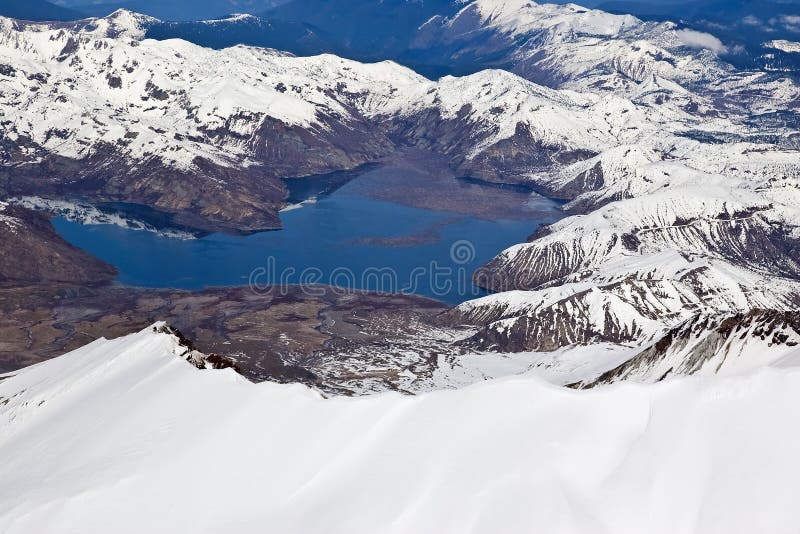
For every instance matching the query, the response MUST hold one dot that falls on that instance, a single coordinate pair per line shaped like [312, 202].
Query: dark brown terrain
[31, 252]
[270, 336]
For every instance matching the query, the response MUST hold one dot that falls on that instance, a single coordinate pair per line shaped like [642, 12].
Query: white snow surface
[77, 87]
[783, 45]
[123, 436]
[591, 50]
[570, 365]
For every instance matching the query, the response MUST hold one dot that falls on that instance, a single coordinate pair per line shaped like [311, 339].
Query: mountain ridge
[162, 421]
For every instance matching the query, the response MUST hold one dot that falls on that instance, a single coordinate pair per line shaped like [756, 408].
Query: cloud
[791, 22]
[695, 39]
[751, 20]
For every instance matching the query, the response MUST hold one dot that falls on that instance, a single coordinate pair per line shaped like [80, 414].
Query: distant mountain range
[395, 29]
[175, 10]
[743, 25]
[368, 29]
[386, 29]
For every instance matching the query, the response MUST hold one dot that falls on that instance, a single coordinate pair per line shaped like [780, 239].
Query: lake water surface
[369, 233]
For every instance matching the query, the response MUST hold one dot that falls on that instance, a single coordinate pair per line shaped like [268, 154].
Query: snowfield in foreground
[125, 436]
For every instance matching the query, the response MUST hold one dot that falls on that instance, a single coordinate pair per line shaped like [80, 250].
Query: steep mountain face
[631, 268]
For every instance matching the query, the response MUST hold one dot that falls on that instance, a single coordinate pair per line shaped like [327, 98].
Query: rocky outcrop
[711, 345]
[185, 349]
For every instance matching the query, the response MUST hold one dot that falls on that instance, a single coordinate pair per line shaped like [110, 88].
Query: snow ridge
[191, 447]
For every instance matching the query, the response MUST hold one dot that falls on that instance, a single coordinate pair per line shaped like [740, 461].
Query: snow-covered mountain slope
[125, 436]
[189, 130]
[92, 108]
[632, 268]
[674, 221]
[707, 216]
[714, 346]
[570, 46]
[783, 45]
[206, 134]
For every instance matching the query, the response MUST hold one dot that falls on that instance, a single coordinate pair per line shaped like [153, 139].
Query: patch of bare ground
[286, 335]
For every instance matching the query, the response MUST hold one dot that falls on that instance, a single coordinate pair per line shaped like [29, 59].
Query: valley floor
[284, 335]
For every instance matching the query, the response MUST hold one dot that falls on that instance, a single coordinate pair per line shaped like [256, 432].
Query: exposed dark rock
[153, 91]
[207, 198]
[114, 82]
[32, 252]
[195, 357]
[630, 242]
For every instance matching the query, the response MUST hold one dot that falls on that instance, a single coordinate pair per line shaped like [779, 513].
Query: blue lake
[346, 238]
